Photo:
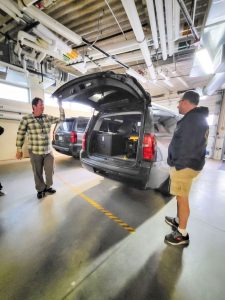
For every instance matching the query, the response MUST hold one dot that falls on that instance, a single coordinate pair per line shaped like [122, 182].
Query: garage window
[13, 92]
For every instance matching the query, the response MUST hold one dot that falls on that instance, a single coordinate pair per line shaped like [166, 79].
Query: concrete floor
[76, 244]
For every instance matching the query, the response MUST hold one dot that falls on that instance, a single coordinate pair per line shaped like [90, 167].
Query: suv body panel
[121, 96]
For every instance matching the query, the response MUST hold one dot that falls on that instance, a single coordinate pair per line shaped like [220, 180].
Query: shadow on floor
[158, 278]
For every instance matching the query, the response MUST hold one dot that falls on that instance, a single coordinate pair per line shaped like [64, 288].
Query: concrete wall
[8, 138]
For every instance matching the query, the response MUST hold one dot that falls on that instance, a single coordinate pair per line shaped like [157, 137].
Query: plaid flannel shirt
[38, 130]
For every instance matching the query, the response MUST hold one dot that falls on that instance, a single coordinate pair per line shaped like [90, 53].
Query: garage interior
[97, 238]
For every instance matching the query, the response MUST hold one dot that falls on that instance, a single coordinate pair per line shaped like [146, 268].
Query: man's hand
[19, 154]
[61, 110]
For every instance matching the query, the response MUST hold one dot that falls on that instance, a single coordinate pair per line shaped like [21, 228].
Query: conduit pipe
[41, 49]
[51, 38]
[24, 35]
[151, 14]
[169, 26]
[9, 12]
[136, 75]
[176, 17]
[45, 51]
[12, 7]
[215, 83]
[18, 69]
[52, 24]
[161, 24]
[133, 17]
[27, 2]
[189, 20]
[180, 79]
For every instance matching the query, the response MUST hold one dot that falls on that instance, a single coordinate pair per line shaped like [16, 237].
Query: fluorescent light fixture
[204, 60]
[136, 75]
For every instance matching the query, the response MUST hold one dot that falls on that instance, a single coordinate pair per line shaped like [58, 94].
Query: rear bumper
[72, 150]
[137, 176]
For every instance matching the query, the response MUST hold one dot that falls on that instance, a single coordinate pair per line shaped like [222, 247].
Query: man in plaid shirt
[38, 125]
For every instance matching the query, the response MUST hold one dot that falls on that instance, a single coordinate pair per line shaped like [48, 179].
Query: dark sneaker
[171, 221]
[50, 191]
[176, 238]
[40, 195]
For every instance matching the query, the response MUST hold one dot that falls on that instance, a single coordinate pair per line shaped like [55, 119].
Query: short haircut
[191, 96]
[35, 101]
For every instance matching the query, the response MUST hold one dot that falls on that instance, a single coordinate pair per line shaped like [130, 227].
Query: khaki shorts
[181, 181]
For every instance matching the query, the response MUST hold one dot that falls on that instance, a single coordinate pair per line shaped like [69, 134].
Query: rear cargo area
[116, 136]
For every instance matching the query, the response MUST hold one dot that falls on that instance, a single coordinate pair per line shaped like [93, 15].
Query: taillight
[84, 142]
[73, 137]
[149, 145]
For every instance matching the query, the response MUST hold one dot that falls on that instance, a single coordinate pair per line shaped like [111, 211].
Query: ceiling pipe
[151, 14]
[9, 12]
[52, 39]
[194, 9]
[169, 25]
[136, 75]
[52, 24]
[15, 68]
[176, 18]
[41, 49]
[215, 83]
[180, 79]
[133, 17]
[27, 2]
[161, 25]
[189, 20]
[12, 6]
[24, 35]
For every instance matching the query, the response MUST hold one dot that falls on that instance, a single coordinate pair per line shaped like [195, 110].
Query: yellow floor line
[98, 206]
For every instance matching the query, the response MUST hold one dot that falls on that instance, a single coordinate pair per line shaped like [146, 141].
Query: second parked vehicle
[67, 135]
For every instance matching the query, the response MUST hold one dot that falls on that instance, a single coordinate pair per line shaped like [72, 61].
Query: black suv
[67, 135]
[127, 137]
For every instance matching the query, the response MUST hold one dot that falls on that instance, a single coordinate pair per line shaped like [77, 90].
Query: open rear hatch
[121, 102]
[105, 91]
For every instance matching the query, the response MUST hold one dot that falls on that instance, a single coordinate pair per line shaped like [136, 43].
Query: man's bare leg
[183, 211]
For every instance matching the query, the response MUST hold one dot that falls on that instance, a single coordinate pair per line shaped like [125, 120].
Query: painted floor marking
[98, 206]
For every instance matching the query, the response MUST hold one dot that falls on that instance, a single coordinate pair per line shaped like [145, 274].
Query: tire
[165, 187]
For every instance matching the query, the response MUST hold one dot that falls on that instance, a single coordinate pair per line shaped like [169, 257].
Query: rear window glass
[122, 124]
[81, 125]
[66, 125]
[164, 122]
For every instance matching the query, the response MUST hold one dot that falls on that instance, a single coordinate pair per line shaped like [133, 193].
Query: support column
[220, 135]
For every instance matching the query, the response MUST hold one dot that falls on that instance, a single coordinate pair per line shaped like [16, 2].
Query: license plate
[60, 138]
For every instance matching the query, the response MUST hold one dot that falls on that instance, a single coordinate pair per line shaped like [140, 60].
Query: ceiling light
[203, 58]
[136, 75]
